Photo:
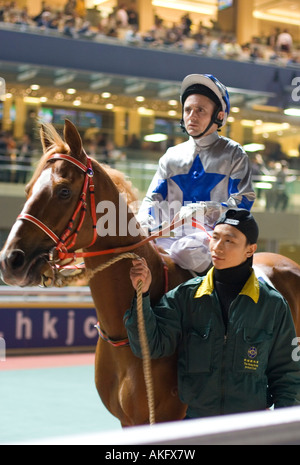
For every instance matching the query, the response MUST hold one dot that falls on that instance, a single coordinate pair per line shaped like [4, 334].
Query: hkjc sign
[34, 326]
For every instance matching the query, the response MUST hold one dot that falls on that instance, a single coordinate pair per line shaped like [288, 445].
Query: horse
[59, 219]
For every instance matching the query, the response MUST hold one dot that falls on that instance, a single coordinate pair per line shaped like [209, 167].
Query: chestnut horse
[67, 181]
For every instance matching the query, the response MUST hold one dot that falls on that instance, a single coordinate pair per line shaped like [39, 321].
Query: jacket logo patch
[252, 352]
[250, 363]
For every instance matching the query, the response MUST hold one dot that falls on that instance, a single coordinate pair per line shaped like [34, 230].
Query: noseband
[68, 238]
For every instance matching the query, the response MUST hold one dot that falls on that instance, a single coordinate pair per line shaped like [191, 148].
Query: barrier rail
[279, 427]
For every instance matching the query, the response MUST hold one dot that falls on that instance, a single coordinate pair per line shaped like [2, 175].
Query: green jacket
[247, 369]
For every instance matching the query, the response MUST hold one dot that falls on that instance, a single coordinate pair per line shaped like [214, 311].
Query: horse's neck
[112, 289]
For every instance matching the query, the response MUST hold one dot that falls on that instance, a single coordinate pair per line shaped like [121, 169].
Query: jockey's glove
[193, 210]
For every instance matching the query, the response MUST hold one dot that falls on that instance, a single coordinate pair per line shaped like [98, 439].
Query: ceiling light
[292, 111]
[155, 137]
[64, 79]
[264, 185]
[100, 83]
[169, 91]
[77, 102]
[140, 98]
[26, 75]
[145, 111]
[248, 123]
[43, 99]
[172, 113]
[293, 153]
[173, 103]
[135, 87]
[186, 6]
[254, 147]
[33, 100]
[106, 95]
[34, 87]
[235, 110]
[71, 91]
[109, 106]
[277, 16]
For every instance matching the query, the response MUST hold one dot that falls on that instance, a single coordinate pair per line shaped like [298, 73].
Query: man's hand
[140, 272]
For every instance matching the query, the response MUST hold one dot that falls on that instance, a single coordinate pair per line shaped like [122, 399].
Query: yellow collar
[251, 288]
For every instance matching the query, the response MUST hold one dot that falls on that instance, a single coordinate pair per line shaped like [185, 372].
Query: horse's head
[52, 197]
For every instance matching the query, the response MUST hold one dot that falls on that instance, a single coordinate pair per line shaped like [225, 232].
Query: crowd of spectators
[15, 158]
[122, 24]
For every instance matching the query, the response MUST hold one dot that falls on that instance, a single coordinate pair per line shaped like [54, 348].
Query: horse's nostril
[16, 259]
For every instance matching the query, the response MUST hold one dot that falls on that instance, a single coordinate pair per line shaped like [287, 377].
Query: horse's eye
[64, 193]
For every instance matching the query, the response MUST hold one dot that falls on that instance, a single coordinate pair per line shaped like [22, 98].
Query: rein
[67, 241]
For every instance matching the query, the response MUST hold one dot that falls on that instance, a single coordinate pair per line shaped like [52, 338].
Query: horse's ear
[73, 139]
[45, 139]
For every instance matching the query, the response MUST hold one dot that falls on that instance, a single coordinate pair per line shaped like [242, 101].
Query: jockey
[203, 176]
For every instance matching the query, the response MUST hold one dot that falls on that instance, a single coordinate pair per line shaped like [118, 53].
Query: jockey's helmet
[211, 87]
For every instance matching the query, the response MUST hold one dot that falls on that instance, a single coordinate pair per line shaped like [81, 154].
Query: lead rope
[142, 332]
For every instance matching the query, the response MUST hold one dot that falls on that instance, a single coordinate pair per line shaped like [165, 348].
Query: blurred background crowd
[123, 24]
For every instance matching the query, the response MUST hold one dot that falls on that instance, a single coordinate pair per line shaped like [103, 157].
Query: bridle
[68, 239]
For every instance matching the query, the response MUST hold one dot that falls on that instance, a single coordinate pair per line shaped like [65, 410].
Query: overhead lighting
[106, 95]
[270, 127]
[34, 87]
[145, 111]
[186, 6]
[100, 83]
[140, 98]
[254, 147]
[277, 18]
[77, 102]
[64, 79]
[33, 100]
[292, 111]
[26, 75]
[109, 106]
[71, 91]
[172, 113]
[293, 153]
[173, 103]
[264, 185]
[43, 99]
[247, 123]
[168, 91]
[235, 110]
[155, 137]
[135, 87]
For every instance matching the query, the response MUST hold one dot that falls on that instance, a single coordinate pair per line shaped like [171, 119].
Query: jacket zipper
[223, 373]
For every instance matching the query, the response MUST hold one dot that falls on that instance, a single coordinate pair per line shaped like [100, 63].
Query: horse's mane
[123, 185]
[57, 144]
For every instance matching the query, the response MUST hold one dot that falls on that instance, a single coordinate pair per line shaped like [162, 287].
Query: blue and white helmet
[212, 83]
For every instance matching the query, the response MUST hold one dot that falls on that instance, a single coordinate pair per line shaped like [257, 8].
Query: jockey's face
[229, 247]
[197, 114]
